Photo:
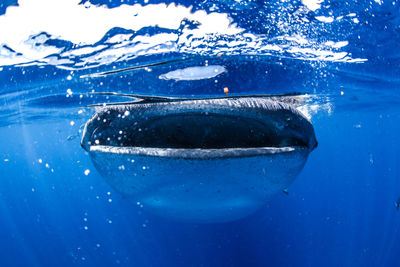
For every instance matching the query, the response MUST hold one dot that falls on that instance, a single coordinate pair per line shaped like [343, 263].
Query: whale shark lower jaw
[194, 153]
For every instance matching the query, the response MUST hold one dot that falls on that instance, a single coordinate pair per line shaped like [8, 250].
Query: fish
[205, 160]
[397, 204]
[285, 191]
[194, 73]
[72, 137]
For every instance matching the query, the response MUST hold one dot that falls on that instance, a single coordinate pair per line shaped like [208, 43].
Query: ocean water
[57, 210]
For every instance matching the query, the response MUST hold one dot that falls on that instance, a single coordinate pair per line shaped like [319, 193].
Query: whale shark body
[200, 159]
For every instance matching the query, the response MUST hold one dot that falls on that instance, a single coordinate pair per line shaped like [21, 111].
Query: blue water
[56, 210]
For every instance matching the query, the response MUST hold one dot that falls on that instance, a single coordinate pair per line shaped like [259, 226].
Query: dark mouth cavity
[196, 131]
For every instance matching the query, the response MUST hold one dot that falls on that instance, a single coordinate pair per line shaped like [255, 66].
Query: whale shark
[212, 159]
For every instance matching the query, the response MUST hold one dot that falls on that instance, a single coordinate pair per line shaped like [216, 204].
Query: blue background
[339, 211]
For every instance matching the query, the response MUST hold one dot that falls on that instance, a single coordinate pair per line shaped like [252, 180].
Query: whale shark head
[204, 160]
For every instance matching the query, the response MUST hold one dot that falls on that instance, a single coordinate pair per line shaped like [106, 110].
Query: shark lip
[194, 154]
[199, 129]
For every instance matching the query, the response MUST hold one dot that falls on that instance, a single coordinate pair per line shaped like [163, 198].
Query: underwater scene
[200, 133]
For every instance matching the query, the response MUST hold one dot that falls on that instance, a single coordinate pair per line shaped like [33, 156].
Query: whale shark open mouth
[202, 160]
[195, 128]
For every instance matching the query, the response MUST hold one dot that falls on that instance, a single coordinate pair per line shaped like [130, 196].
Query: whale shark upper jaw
[219, 127]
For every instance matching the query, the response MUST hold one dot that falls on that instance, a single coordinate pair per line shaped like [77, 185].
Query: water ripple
[77, 35]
